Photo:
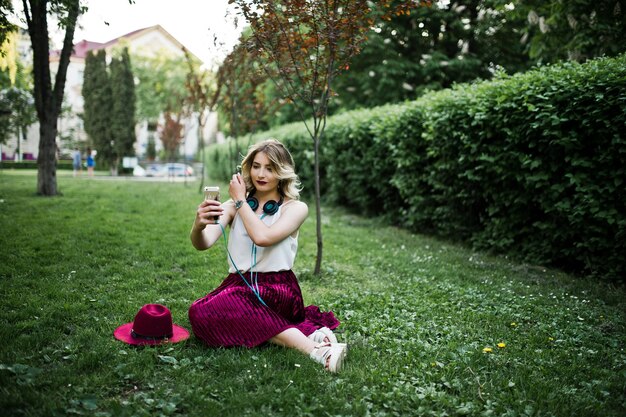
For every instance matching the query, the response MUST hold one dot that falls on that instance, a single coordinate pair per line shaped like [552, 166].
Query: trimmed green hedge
[61, 164]
[533, 165]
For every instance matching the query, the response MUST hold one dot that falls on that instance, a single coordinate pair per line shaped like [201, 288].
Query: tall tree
[161, 85]
[16, 114]
[574, 30]
[123, 105]
[89, 90]
[430, 48]
[306, 44]
[98, 107]
[48, 99]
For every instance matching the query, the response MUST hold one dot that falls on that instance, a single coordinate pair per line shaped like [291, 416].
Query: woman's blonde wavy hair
[282, 164]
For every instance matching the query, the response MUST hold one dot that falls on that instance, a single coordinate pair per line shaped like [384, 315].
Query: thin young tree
[306, 44]
[48, 98]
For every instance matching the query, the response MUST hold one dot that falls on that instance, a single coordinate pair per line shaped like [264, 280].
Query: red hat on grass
[152, 326]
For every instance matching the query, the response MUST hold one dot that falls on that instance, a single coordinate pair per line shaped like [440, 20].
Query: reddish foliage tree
[305, 45]
[171, 134]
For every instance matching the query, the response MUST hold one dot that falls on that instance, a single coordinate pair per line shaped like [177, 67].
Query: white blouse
[278, 257]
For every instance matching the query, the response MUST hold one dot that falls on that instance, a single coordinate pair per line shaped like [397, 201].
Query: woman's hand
[203, 237]
[237, 188]
[207, 212]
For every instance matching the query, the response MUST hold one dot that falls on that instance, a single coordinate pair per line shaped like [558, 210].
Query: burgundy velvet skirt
[231, 315]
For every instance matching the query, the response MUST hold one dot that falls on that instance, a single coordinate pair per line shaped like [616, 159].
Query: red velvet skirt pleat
[232, 315]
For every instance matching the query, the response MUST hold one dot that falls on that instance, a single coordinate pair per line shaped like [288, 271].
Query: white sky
[192, 22]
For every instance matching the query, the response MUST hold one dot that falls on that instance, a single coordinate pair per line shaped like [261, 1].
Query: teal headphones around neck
[270, 208]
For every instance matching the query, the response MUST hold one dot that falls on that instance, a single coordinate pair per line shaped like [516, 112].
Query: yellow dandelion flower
[487, 350]
[513, 324]
[501, 345]
[551, 339]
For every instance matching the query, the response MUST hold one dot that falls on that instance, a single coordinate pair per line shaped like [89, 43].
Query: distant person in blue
[91, 163]
[76, 162]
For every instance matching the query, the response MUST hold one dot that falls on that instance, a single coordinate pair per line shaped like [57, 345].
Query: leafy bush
[533, 165]
[358, 162]
[62, 164]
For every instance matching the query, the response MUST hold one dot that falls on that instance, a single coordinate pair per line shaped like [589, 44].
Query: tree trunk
[46, 160]
[318, 206]
[19, 145]
[48, 100]
[201, 147]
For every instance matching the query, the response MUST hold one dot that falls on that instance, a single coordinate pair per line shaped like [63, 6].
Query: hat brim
[124, 334]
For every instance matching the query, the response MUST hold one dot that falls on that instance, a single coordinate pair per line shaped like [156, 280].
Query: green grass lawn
[417, 312]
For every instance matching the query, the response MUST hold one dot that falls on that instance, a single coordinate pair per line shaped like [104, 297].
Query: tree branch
[66, 52]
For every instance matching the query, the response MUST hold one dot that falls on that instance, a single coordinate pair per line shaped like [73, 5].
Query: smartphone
[212, 193]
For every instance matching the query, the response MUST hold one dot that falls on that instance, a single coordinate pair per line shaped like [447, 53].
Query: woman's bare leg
[294, 338]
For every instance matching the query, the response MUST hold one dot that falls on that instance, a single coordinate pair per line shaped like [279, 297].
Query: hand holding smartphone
[212, 193]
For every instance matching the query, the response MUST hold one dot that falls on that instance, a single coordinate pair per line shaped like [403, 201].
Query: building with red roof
[150, 41]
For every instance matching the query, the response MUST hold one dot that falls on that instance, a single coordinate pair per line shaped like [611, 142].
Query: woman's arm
[205, 232]
[292, 217]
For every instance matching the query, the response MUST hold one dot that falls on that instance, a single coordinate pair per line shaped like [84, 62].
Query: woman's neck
[263, 196]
